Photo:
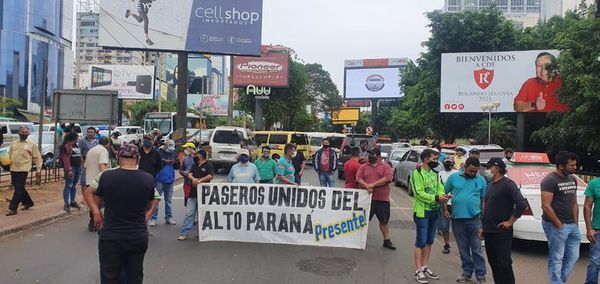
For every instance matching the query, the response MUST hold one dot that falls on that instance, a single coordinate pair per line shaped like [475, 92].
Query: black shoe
[388, 244]
[127, 13]
[11, 212]
[91, 226]
[75, 205]
[67, 208]
[149, 42]
[26, 207]
[446, 249]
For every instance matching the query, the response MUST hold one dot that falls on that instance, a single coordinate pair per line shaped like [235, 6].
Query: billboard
[132, 81]
[346, 115]
[204, 26]
[511, 81]
[268, 70]
[372, 83]
[215, 105]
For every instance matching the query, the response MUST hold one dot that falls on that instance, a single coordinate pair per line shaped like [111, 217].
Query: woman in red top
[70, 155]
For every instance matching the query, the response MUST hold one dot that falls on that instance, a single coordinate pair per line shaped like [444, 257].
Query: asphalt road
[64, 252]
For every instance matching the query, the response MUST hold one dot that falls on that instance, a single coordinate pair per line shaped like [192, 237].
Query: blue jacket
[188, 162]
[167, 173]
[333, 160]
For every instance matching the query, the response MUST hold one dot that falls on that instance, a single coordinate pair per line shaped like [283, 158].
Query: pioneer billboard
[268, 70]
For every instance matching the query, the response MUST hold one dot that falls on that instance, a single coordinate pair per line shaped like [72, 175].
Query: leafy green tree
[503, 131]
[8, 104]
[322, 91]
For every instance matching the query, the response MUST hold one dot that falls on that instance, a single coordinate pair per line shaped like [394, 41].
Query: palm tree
[503, 131]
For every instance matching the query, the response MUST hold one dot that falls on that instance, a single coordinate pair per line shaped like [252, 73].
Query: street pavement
[64, 252]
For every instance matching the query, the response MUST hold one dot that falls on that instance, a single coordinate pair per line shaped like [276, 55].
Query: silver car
[408, 163]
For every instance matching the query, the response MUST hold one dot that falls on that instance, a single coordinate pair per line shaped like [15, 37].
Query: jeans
[426, 228]
[191, 209]
[122, 258]
[563, 250]
[20, 194]
[327, 179]
[166, 191]
[594, 266]
[498, 247]
[82, 181]
[443, 223]
[469, 246]
[70, 190]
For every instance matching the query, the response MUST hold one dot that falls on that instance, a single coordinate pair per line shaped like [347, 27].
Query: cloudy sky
[331, 31]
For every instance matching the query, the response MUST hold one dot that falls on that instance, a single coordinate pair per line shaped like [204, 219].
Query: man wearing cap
[123, 237]
[164, 180]
[201, 171]
[444, 221]
[504, 204]
[190, 152]
[459, 158]
[244, 171]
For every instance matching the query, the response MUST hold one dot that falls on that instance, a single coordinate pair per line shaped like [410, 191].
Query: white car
[528, 177]
[225, 145]
[130, 134]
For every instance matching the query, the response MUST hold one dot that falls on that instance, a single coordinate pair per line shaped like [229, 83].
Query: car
[408, 163]
[486, 151]
[47, 152]
[527, 170]
[201, 136]
[131, 134]
[225, 145]
[396, 155]
[276, 140]
[352, 140]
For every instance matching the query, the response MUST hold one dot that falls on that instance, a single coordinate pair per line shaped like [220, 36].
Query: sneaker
[127, 13]
[446, 249]
[430, 274]
[149, 42]
[67, 208]
[75, 205]
[463, 279]
[152, 223]
[170, 222]
[11, 212]
[420, 277]
[182, 238]
[388, 245]
[481, 280]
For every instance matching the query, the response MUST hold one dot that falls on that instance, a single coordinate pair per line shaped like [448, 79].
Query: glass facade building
[33, 32]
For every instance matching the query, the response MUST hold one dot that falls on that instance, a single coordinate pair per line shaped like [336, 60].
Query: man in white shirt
[96, 161]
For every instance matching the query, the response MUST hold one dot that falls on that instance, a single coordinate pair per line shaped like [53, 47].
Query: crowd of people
[480, 206]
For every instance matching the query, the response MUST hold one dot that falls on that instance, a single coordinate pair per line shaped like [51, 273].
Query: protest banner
[283, 214]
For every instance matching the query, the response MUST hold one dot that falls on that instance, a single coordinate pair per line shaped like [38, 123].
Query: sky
[331, 31]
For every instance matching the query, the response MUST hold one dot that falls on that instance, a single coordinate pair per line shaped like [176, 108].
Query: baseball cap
[495, 162]
[474, 150]
[449, 159]
[244, 152]
[462, 150]
[189, 145]
[128, 150]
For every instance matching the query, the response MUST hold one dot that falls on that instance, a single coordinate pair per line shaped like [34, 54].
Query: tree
[322, 91]
[503, 131]
[9, 104]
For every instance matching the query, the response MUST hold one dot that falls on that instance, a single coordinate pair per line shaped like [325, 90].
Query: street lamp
[489, 108]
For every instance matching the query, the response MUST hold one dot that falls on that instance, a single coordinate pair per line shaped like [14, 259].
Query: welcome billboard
[514, 81]
[268, 70]
[373, 78]
[204, 26]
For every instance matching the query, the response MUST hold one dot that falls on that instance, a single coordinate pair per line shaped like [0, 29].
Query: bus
[166, 122]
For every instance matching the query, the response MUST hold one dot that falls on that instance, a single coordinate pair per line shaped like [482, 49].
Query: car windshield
[227, 137]
[386, 149]
[163, 124]
[299, 139]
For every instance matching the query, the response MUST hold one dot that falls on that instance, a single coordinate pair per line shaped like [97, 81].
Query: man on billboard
[539, 94]
[143, 7]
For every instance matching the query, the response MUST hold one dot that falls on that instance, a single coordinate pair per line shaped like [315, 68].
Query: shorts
[381, 209]
[426, 228]
[443, 223]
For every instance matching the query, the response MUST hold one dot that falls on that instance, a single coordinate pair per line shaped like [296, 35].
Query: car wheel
[396, 182]
[409, 187]
[47, 160]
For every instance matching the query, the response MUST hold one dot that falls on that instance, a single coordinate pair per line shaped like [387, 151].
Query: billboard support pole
[374, 110]
[182, 78]
[230, 100]
[43, 103]
[520, 131]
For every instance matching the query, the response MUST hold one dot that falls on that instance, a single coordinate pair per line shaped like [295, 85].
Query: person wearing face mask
[325, 164]
[96, 161]
[266, 166]
[504, 204]
[285, 167]
[428, 197]
[467, 189]
[164, 180]
[444, 221]
[150, 162]
[23, 154]
[190, 152]
[244, 171]
[375, 176]
[200, 172]
[86, 144]
[560, 217]
[299, 162]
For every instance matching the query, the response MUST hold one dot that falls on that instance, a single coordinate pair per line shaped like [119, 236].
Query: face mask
[244, 159]
[489, 176]
[265, 155]
[325, 146]
[294, 154]
[373, 159]
[23, 137]
[433, 165]
[448, 167]
[147, 143]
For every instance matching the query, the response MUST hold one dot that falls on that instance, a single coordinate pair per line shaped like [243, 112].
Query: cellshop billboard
[204, 26]
[520, 81]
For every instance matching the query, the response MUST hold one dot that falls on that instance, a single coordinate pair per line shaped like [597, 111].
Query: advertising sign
[204, 26]
[269, 70]
[282, 214]
[132, 81]
[511, 81]
[216, 105]
[372, 83]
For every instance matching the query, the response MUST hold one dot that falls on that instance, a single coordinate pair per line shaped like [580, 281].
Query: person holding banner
[243, 171]
[375, 176]
[285, 167]
[202, 171]
[267, 167]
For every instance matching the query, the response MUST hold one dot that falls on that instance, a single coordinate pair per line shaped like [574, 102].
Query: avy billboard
[268, 70]
[205, 26]
[511, 81]
[132, 81]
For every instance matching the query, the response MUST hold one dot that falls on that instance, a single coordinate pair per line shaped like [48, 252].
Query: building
[34, 32]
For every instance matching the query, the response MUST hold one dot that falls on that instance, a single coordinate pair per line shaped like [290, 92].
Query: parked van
[225, 145]
[276, 140]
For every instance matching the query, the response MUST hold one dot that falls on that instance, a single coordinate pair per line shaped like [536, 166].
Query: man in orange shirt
[351, 168]
[539, 94]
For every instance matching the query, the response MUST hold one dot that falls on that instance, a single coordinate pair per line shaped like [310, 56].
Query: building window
[514, 3]
[485, 3]
[502, 2]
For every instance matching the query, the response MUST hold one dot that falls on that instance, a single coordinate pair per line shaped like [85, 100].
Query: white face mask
[489, 176]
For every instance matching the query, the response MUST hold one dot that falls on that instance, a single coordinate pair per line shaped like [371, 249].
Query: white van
[225, 145]
[131, 134]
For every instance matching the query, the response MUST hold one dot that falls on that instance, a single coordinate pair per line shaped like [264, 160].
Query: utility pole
[182, 78]
[230, 102]
[43, 103]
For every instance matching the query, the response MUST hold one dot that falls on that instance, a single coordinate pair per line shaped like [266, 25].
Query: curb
[41, 222]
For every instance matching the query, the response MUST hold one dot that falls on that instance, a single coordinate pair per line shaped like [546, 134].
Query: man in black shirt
[299, 162]
[123, 235]
[150, 160]
[504, 204]
[202, 171]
